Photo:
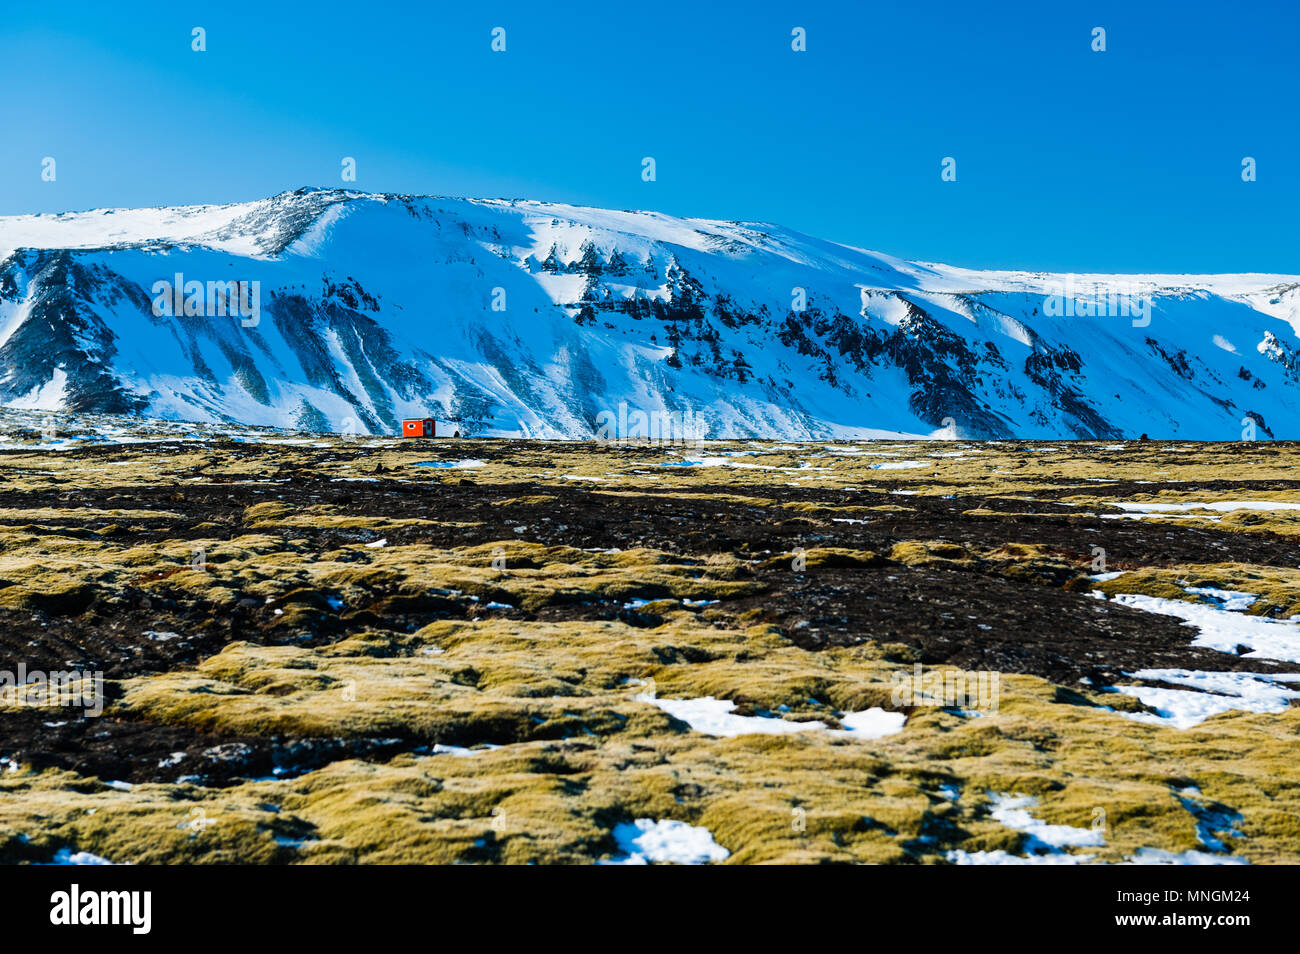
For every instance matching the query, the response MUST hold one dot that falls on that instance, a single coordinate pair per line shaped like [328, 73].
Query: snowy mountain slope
[534, 318]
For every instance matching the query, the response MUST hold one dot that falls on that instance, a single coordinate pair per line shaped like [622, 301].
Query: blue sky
[1127, 160]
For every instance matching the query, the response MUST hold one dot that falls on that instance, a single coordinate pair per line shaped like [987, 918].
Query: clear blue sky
[1128, 160]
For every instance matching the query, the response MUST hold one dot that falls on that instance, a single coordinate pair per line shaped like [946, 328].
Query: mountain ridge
[527, 318]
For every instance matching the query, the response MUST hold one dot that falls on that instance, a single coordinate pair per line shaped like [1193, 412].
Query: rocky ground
[321, 649]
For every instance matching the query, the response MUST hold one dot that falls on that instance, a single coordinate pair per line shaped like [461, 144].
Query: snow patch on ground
[959, 857]
[451, 464]
[1158, 856]
[873, 723]
[1218, 692]
[717, 717]
[1046, 844]
[459, 750]
[66, 856]
[1220, 625]
[1234, 601]
[1013, 811]
[1222, 506]
[647, 841]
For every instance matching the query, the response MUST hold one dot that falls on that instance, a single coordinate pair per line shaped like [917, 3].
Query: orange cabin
[420, 427]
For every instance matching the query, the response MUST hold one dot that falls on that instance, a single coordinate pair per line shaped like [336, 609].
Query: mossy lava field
[316, 649]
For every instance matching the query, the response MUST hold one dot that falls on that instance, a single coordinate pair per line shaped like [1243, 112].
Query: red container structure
[419, 427]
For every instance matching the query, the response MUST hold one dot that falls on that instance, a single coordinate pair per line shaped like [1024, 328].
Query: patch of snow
[1013, 811]
[66, 856]
[958, 857]
[1158, 856]
[44, 397]
[1218, 692]
[451, 464]
[1225, 630]
[1222, 506]
[1044, 843]
[1234, 601]
[647, 841]
[460, 750]
[873, 723]
[717, 717]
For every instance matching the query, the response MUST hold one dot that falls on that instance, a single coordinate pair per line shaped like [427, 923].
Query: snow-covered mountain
[335, 310]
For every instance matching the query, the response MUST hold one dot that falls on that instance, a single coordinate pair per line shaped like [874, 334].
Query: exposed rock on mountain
[335, 310]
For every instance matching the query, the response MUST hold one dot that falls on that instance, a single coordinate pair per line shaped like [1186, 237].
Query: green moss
[581, 748]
